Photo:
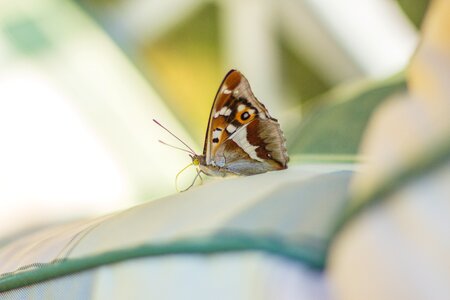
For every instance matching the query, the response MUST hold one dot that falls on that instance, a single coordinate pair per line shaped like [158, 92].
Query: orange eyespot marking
[246, 116]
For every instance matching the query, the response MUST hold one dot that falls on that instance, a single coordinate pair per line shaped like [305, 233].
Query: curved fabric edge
[438, 156]
[311, 254]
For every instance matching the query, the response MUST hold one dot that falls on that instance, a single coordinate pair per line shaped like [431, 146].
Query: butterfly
[242, 138]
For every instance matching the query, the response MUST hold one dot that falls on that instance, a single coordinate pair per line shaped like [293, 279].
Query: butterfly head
[197, 160]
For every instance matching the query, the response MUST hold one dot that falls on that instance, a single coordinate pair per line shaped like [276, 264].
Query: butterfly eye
[196, 162]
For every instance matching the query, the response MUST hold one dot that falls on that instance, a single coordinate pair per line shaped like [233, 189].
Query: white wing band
[240, 138]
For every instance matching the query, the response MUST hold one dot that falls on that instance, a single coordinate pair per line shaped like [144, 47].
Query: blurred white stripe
[250, 45]
[76, 130]
[374, 32]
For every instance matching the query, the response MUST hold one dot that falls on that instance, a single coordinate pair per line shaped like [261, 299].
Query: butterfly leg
[193, 182]
[199, 172]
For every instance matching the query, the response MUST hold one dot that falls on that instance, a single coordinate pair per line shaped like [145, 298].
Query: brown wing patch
[267, 135]
[220, 112]
[229, 84]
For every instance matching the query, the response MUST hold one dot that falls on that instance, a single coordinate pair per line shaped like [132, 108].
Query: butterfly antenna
[164, 143]
[192, 151]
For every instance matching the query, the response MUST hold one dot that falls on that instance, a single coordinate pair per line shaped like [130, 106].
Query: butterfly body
[242, 138]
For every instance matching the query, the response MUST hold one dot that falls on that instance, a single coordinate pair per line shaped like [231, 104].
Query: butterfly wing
[242, 137]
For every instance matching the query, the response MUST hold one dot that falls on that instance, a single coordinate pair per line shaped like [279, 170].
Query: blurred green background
[80, 82]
